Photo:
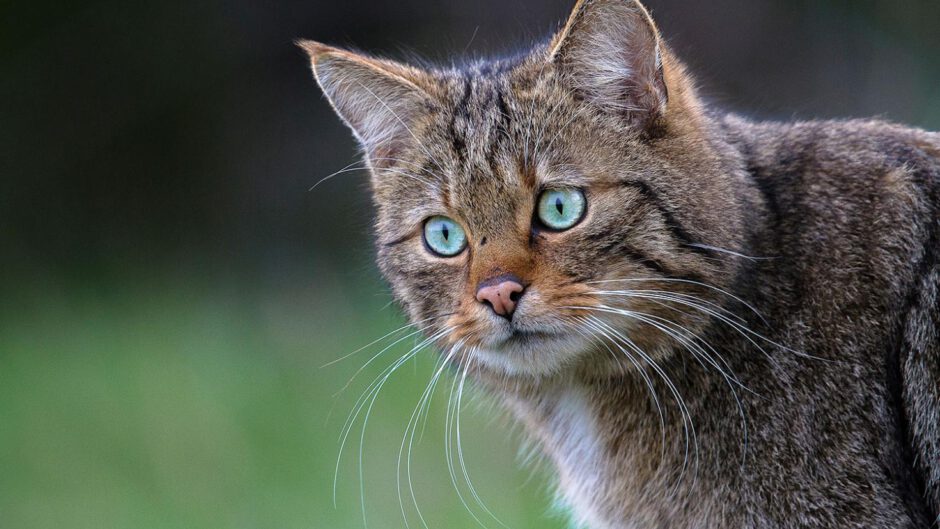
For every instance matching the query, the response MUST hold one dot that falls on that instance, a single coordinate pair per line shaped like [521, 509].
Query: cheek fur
[427, 287]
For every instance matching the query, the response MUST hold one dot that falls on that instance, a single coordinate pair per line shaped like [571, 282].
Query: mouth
[530, 352]
[513, 334]
[519, 337]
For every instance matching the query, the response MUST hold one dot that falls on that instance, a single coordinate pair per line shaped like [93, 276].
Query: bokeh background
[170, 289]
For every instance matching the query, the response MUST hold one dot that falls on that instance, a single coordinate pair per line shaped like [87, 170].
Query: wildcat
[702, 321]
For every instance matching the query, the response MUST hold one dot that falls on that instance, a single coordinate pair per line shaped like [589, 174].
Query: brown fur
[823, 413]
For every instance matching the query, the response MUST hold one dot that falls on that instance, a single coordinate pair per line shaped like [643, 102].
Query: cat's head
[562, 211]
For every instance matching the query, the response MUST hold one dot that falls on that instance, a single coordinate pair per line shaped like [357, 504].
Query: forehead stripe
[461, 110]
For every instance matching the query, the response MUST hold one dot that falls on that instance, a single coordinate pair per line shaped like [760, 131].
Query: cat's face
[544, 216]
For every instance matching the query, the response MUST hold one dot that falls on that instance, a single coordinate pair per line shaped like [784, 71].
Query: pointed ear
[610, 50]
[378, 99]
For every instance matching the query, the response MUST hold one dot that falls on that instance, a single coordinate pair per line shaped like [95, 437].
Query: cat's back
[850, 214]
[852, 219]
[858, 190]
[840, 152]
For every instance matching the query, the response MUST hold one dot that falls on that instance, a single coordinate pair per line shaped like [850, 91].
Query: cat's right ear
[612, 53]
[378, 99]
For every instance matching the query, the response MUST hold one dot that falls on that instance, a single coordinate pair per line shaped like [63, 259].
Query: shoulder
[835, 148]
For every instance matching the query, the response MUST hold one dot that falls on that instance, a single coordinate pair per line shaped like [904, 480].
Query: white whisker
[372, 391]
[463, 464]
[649, 383]
[688, 424]
[729, 252]
[686, 281]
[370, 344]
[694, 344]
[348, 169]
[449, 435]
[412, 427]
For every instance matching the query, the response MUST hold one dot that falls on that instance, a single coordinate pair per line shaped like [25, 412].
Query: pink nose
[501, 294]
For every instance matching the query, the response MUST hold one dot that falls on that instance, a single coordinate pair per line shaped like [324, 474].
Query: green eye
[444, 236]
[560, 209]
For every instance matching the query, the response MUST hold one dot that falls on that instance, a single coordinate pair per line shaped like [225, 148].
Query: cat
[700, 320]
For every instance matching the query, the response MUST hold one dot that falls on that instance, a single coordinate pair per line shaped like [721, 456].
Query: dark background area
[188, 133]
[169, 286]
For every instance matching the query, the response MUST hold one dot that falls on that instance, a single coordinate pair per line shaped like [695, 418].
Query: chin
[532, 354]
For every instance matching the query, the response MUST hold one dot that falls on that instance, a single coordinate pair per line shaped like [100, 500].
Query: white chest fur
[612, 472]
[576, 446]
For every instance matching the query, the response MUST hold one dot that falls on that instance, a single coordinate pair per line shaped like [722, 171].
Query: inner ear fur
[611, 52]
[378, 99]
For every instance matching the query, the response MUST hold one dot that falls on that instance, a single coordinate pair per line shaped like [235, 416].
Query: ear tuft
[611, 52]
[378, 99]
[312, 47]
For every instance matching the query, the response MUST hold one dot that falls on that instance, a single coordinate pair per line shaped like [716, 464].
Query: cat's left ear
[612, 54]
[380, 100]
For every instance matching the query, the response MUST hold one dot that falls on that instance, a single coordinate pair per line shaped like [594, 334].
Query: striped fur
[797, 265]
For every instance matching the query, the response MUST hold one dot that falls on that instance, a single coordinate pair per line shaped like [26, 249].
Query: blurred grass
[176, 403]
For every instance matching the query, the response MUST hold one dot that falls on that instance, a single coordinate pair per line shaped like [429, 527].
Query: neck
[657, 448]
[625, 458]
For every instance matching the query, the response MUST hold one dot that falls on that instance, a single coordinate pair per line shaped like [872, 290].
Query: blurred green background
[170, 290]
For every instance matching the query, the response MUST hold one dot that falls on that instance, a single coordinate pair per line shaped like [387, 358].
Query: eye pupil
[559, 205]
[445, 232]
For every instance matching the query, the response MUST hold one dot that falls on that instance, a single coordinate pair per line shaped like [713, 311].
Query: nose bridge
[497, 213]
[498, 257]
